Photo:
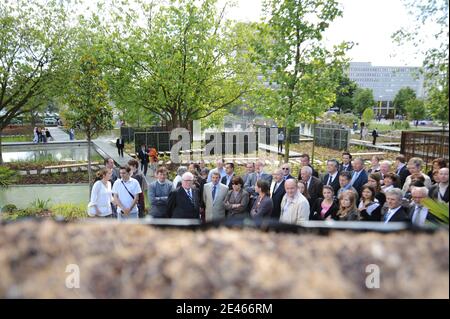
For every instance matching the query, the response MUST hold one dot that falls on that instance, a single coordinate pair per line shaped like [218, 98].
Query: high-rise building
[385, 82]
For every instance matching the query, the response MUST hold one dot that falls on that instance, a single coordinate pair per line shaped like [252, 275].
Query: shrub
[69, 212]
[7, 176]
[9, 208]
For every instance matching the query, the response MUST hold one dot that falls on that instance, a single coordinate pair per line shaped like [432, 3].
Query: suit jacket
[242, 199]
[349, 168]
[360, 181]
[180, 206]
[334, 183]
[371, 213]
[120, 143]
[143, 156]
[403, 173]
[434, 193]
[214, 209]
[430, 218]
[277, 197]
[401, 215]
[315, 188]
[224, 181]
[249, 186]
[264, 210]
[316, 208]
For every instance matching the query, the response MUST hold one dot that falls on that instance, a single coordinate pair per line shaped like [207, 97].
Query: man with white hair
[385, 167]
[314, 185]
[184, 201]
[415, 166]
[294, 206]
[395, 211]
[439, 191]
[418, 214]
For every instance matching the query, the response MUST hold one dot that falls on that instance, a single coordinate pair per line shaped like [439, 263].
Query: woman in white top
[101, 195]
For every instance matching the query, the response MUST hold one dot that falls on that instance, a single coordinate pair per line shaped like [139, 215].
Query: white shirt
[391, 213]
[386, 188]
[124, 197]
[421, 218]
[101, 196]
[176, 180]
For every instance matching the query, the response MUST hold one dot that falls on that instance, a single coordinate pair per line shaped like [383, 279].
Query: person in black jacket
[401, 169]
[314, 184]
[394, 212]
[144, 159]
[332, 176]
[184, 201]
[120, 144]
[374, 181]
[277, 192]
[305, 161]
[369, 208]
[346, 165]
[326, 206]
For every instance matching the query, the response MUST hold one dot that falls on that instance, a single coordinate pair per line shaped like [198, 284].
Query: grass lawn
[25, 138]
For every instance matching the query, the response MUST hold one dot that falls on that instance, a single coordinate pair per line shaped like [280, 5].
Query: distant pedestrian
[280, 141]
[120, 144]
[48, 135]
[72, 134]
[35, 135]
[374, 136]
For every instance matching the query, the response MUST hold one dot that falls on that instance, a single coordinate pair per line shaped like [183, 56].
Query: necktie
[416, 218]
[214, 192]
[385, 217]
[355, 177]
[275, 188]
[258, 176]
[190, 195]
[329, 180]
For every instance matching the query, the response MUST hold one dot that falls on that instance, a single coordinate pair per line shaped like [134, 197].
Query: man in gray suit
[214, 194]
[249, 186]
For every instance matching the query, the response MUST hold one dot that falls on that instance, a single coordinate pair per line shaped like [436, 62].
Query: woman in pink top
[326, 206]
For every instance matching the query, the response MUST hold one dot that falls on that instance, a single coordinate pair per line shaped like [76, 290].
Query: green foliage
[415, 109]
[39, 205]
[7, 176]
[400, 125]
[362, 99]
[346, 119]
[402, 96]
[437, 105]
[344, 94]
[69, 212]
[303, 75]
[438, 209]
[368, 115]
[9, 208]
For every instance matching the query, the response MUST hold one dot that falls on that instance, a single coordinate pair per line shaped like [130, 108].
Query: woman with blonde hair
[347, 207]
[101, 195]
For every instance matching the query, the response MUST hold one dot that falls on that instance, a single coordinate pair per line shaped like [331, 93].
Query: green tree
[402, 96]
[32, 36]
[344, 93]
[362, 99]
[185, 64]
[415, 110]
[303, 74]
[431, 15]
[88, 105]
[368, 115]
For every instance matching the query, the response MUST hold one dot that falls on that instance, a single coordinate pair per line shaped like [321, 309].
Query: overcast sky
[370, 23]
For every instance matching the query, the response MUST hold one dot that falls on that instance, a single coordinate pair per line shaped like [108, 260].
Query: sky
[369, 23]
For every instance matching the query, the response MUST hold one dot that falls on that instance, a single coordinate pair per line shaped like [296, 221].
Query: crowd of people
[41, 135]
[348, 191]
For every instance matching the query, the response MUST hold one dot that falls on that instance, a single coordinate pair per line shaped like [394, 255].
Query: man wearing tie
[401, 170]
[226, 180]
[346, 165]
[359, 177]
[184, 201]
[277, 192]
[314, 185]
[332, 176]
[395, 212]
[418, 214]
[214, 194]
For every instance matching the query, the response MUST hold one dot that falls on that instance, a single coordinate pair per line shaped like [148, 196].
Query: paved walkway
[58, 134]
[274, 149]
[380, 146]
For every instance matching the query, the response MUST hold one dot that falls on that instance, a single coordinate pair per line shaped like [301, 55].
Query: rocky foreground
[137, 261]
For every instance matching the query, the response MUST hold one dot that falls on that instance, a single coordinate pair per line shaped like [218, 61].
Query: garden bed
[218, 263]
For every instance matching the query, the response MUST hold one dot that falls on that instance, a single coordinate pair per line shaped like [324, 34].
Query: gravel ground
[137, 261]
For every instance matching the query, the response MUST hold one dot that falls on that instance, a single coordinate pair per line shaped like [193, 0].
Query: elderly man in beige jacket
[294, 206]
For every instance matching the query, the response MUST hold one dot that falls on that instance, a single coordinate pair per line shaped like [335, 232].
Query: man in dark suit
[277, 192]
[226, 180]
[184, 201]
[395, 211]
[359, 176]
[144, 158]
[286, 168]
[120, 144]
[313, 183]
[305, 161]
[401, 169]
[332, 176]
[439, 191]
[346, 165]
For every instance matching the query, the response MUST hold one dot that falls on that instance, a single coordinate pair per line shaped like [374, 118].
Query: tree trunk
[89, 164]
[314, 136]
[287, 145]
[1, 157]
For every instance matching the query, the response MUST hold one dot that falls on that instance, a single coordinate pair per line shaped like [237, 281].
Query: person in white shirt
[126, 192]
[415, 166]
[101, 195]
[294, 206]
[180, 171]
